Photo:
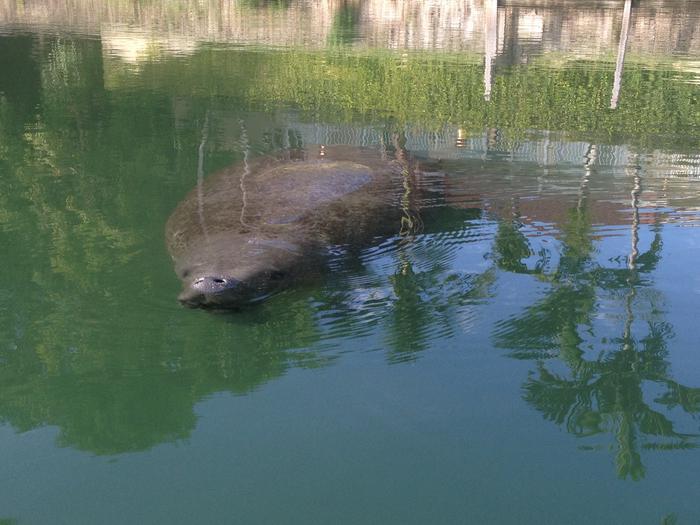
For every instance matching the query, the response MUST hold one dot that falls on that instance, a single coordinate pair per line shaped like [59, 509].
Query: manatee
[256, 227]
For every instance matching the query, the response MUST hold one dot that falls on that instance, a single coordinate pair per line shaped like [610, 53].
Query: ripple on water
[414, 289]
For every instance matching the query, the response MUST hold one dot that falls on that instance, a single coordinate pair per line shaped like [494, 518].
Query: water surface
[529, 354]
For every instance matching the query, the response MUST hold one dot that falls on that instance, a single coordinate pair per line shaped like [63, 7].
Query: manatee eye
[185, 274]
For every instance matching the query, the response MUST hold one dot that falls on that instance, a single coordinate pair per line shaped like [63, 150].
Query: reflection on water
[520, 29]
[601, 390]
[568, 206]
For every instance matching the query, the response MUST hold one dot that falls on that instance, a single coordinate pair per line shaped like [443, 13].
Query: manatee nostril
[212, 284]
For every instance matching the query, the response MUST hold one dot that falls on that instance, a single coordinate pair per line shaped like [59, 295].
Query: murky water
[525, 352]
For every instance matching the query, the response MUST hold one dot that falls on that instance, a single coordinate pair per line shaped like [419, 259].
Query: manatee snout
[224, 291]
[211, 290]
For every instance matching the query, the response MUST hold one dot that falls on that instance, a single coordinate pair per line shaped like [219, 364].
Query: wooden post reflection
[622, 46]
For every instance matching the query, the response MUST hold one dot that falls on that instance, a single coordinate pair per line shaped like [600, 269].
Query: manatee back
[333, 198]
[293, 193]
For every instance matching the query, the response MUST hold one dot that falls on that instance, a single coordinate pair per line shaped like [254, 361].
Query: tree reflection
[110, 399]
[77, 349]
[86, 345]
[511, 245]
[426, 301]
[91, 174]
[425, 288]
[607, 382]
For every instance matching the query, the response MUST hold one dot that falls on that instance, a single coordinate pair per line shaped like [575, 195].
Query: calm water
[529, 356]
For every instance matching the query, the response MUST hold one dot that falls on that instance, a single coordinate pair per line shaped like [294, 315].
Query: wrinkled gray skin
[252, 229]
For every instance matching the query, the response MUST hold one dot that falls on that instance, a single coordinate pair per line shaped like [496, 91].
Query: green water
[529, 356]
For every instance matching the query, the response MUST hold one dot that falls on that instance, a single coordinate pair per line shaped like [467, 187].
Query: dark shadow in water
[22, 88]
[273, 4]
[345, 25]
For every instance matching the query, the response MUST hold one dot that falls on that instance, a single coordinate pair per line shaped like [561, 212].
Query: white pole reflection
[490, 43]
[200, 175]
[636, 193]
[622, 46]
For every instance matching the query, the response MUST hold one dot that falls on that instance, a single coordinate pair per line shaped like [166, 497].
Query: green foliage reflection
[91, 166]
[80, 244]
[658, 107]
[604, 389]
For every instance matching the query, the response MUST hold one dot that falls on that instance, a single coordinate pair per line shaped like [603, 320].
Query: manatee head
[234, 271]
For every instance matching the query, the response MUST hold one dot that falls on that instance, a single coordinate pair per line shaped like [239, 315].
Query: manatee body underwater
[256, 227]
